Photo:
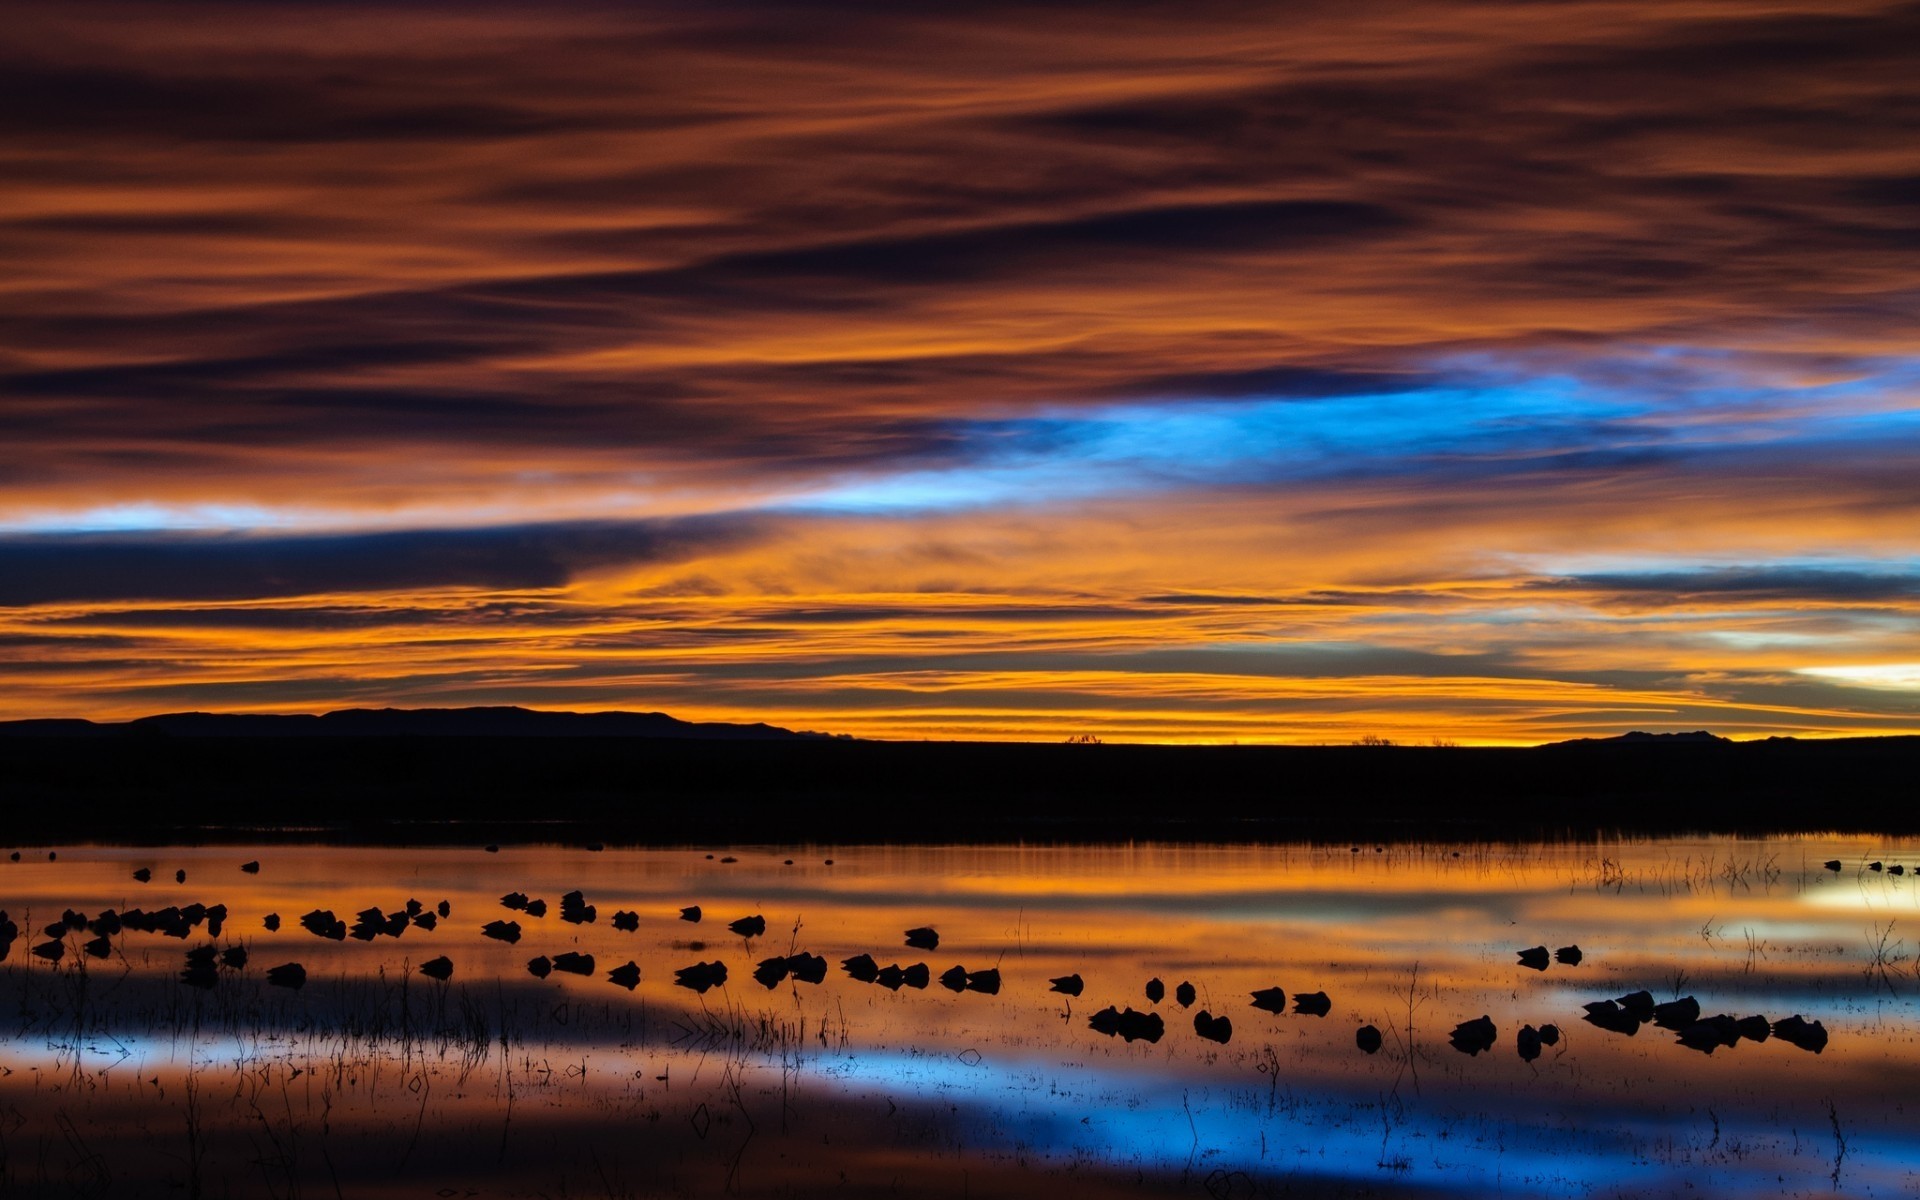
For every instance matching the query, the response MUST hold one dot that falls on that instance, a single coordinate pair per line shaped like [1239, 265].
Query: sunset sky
[1494, 372]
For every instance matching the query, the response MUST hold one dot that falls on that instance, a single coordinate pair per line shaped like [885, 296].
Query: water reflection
[1635, 1018]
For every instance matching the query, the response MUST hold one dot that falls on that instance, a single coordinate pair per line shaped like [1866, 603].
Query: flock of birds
[204, 964]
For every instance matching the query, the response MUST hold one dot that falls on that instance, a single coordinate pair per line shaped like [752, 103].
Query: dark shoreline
[673, 791]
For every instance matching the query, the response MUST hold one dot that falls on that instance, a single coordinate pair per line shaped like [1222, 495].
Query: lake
[119, 1076]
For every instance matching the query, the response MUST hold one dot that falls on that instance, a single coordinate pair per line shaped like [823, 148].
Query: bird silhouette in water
[771, 972]
[1569, 956]
[749, 927]
[861, 967]
[917, 976]
[50, 950]
[1212, 1028]
[1312, 1004]
[288, 975]
[1273, 1000]
[807, 968]
[626, 922]
[540, 967]
[1874, 866]
[445, 909]
[516, 901]
[1549, 1035]
[1367, 1037]
[143, 875]
[1156, 991]
[502, 931]
[954, 979]
[536, 908]
[438, 968]
[1471, 1037]
[1066, 985]
[1638, 1005]
[1610, 1016]
[426, 920]
[691, 913]
[98, 947]
[322, 923]
[1832, 864]
[1676, 1014]
[575, 910]
[627, 977]
[272, 922]
[1801, 1033]
[1535, 959]
[891, 977]
[200, 971]
[234, 957]
[1130, 1025]
[180, 876]
[923, 938]
[9, 933]
[985, 982]
[1709, 1033]
[1527, 1042]
[1185, 994]
[701, 976]
[573, 963]
[251, 868]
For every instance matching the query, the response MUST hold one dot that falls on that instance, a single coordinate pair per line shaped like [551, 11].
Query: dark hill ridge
[409, 722]
[556, 777]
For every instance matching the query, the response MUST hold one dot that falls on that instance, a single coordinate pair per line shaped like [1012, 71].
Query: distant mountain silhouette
[404, 722]
[1638, 738]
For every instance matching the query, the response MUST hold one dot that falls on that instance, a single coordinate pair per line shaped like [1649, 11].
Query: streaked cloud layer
[1496, 372]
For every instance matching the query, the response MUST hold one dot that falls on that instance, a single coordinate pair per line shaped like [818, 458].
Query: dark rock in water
[1527, 1041]
[251, 868]
[322, 923]
[99, 947]
[1832, 864]
[1709, 1034]
[536, 908]
[1212, 1028]
[1754, 1028]
[573, 963]
[1156, 991]
[1549, 1035]
[514, 900]
[986, 982]
[272, 922]
[749, 927]
[445, 909]
[1185, 994]
[861, 967]
[891, 977]
[540, 967]
[502, 931]
[287, 975]
[144, 875]
[626, 922]
[1639, 1005]
[1367, 1037]
[575, 910]
[954, 979]
[1472, 1037]
[690, 913]
[771, 971]
[1312, 1004]
[234, 958]
[1535, 959]
[438, 968]
[9, 932]
[426, 920]
[701, 976]
[1608, 1015]
[917, 976]
[1273, 1000]
[1676, 1014]
[1801, 1033]
[627, 977]
[1066, 985]
[807, 968]
[1568, 956]
[923, 938]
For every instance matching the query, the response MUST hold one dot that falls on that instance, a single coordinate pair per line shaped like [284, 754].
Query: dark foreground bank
[685, 790]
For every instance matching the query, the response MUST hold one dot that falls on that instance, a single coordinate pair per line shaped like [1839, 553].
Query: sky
[1474, 372]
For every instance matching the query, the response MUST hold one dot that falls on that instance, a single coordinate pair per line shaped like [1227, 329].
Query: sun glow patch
[1903, 677]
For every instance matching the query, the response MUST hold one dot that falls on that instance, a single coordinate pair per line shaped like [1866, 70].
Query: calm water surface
[374, 1080]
